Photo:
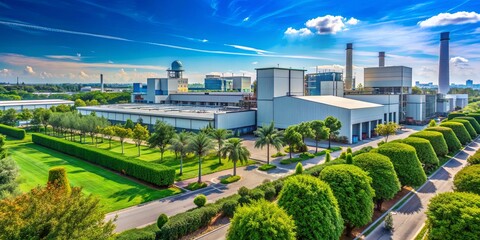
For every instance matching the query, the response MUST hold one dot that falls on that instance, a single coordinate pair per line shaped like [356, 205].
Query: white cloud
[477, 30]
[28, 70]
[457, 18]
[254, 63]
[258, 51]
[4, 70]
[302, 32]
[456, 60]
[352, 21]
[66, 57]
[246, 19]
[330, 24]
[83, 75]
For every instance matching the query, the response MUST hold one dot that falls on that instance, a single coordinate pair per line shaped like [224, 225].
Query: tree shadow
[429, 187]
[413, 205]
[442, 174]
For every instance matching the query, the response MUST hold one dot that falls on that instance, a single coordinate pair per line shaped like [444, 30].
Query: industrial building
[224, 84]
[33, 104]
[325, 83]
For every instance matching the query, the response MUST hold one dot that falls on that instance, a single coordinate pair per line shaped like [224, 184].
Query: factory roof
[164, 110]
[296, 69]
[339, 102]
[34, 102]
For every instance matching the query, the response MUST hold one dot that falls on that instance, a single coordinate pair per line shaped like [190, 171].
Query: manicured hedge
[316, 170]
[472, 121]
[436, 139]
[12, 131]
[468, 179]
[474, 159]
[474, 115]
[468, 126]
[149, 172]
[425, 151]
[452, 141]
[459, 130]
[453, 115]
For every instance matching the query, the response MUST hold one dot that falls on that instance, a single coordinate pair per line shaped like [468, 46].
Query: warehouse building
[33, 104]
[325, 83]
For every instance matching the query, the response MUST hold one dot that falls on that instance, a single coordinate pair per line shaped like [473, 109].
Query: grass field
[115, 191]
[190, 164]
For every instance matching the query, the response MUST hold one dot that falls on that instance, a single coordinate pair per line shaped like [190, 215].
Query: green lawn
[190, 165]
[115, 191]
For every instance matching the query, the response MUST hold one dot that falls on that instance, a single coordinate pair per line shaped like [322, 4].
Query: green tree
[79, 103]
[41, 117]
[384, 179]
[320, 132]
[162, 220]
[122, 133]
[129, 124]
[235, 152]
[416, 90]
[9, 117]
[299, 168]
[200, 200]
[305, 129]
[305, 195]
[25, 115]
[57, 177]
[49, 213]
[8, 176]
[352, 186]
[386, 130]
[266, 136]
[109, 132]
[454, 215]
[200, 144]
[334, 125]
[349, 158]
[161, 136]
[179, 143]
[139, 134]
[291, 138]
[219, 135]
[261, 220]
[468, 179]
[327, 156]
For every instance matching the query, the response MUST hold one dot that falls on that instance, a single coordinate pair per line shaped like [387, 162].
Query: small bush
[474, 159]
[389, 222]
[452, 141]
[243, 191]
[299, 168]
[460, 131]
[328, 158]
[362, 150]
[266, 167]
[453, 115]
[349, 150]
[12, 131]
[468, 179]
[381, 143]
[349, 158]
[343, 155]
[278, 185]
[467, 125]
[147, 233]
[57, 176]
[473, 122]
[228, 208]
[316, 170]
[200, 200]
[270, 192]
[279, 154]
[436, 139]
[162, 220]
[257, 194]
[195, 185]
[230, 179]
[307, 155]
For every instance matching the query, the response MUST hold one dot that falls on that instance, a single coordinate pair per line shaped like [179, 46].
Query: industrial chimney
[444, 69]
[101, 83]
[348, 67]
[381, 59]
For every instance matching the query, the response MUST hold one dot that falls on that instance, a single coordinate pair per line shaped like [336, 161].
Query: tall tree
[161, 136]
[109, 132]
[235, 152]
[122, 133]
[387, 129]
[305, 129]
[8, 172]
[334, 125]
[129, 124]
[79, 103]
[200, 144]
[291, 138]
[219, 135]
[179, 143]
[9, 117]
[266, 136]
[320, 131]
[25, 115]
[140, 134]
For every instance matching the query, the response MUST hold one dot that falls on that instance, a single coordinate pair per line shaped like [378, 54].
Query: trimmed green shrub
[307, 155]
[384, 179]
[200, 200]
[157, 174]
[452, 141]
[425, 151]
[454, 215]
[328, 157]
[453, 115]
[352, 187]
[256, 194]
[313, 206]
[362, 150]
[468, 126]
[261, 220]
[474, 159]
[270, 192]
[230, 179]
[468, 179]
[278, 154]
[475, 115]
[12, 131]
[299, 168]
[278, 185]
[460, 131]
[349, 150]
[405, 161]
[57, 176]
[436, 139]
[472, 121]
[228, 208]
[349, 158]
[195, 185]
[316, 170]
[266, 167]
[162, 220]
[146, 233]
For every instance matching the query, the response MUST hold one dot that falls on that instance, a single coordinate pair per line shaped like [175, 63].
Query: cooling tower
[444, 69]
[349, 68]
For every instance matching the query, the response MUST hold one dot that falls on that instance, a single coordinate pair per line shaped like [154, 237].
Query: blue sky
[128, 41]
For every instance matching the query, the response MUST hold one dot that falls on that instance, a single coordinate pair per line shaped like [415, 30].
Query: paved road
[409, 218]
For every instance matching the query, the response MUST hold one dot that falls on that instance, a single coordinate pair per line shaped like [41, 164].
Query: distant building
[218, 83]
[325, 83]
[469, 83]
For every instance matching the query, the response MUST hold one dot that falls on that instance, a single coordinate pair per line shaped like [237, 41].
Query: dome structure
[177, 66]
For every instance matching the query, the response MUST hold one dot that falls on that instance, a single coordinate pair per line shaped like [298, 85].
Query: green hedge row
[149, 172]
[316, 170]
[425, 151]
[453, 115]
[474, 115]
[472, 121]
[12, 131]
[436, 139]
[452, 141]
[468, 126]
[460, 131]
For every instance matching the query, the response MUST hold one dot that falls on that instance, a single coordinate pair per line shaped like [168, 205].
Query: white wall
[233, 120]
[391, 76]
[391, 103]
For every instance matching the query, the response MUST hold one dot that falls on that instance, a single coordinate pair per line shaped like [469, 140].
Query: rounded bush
[460, 131]
[278, 185]
[474, 159]
[200, 200]
[425, 151]
[472, 121]
[261, 220]
[452, 141]
[257, 194]
[467, 125]
[270, 192]
[299, 168]
[57, 176]
[436, 139]
[304, 195]
[453, 115]
[243, 191]
[454, 215]
[351, 186]
[349, 158]
[468, 179]
[162, 219]
[384, 179]
[228, 208]
[406, 163]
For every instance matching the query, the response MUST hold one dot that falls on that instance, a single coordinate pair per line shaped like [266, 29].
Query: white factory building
[33, 104]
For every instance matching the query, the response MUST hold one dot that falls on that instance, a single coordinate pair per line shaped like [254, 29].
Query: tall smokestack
[348, 67]
[444, 69]
[101, 83]
[381, 59]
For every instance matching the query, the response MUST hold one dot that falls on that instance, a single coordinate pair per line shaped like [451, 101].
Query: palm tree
[219, 135]
[235, 151]
[268, 135]
[200, 144]
[179, 144]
